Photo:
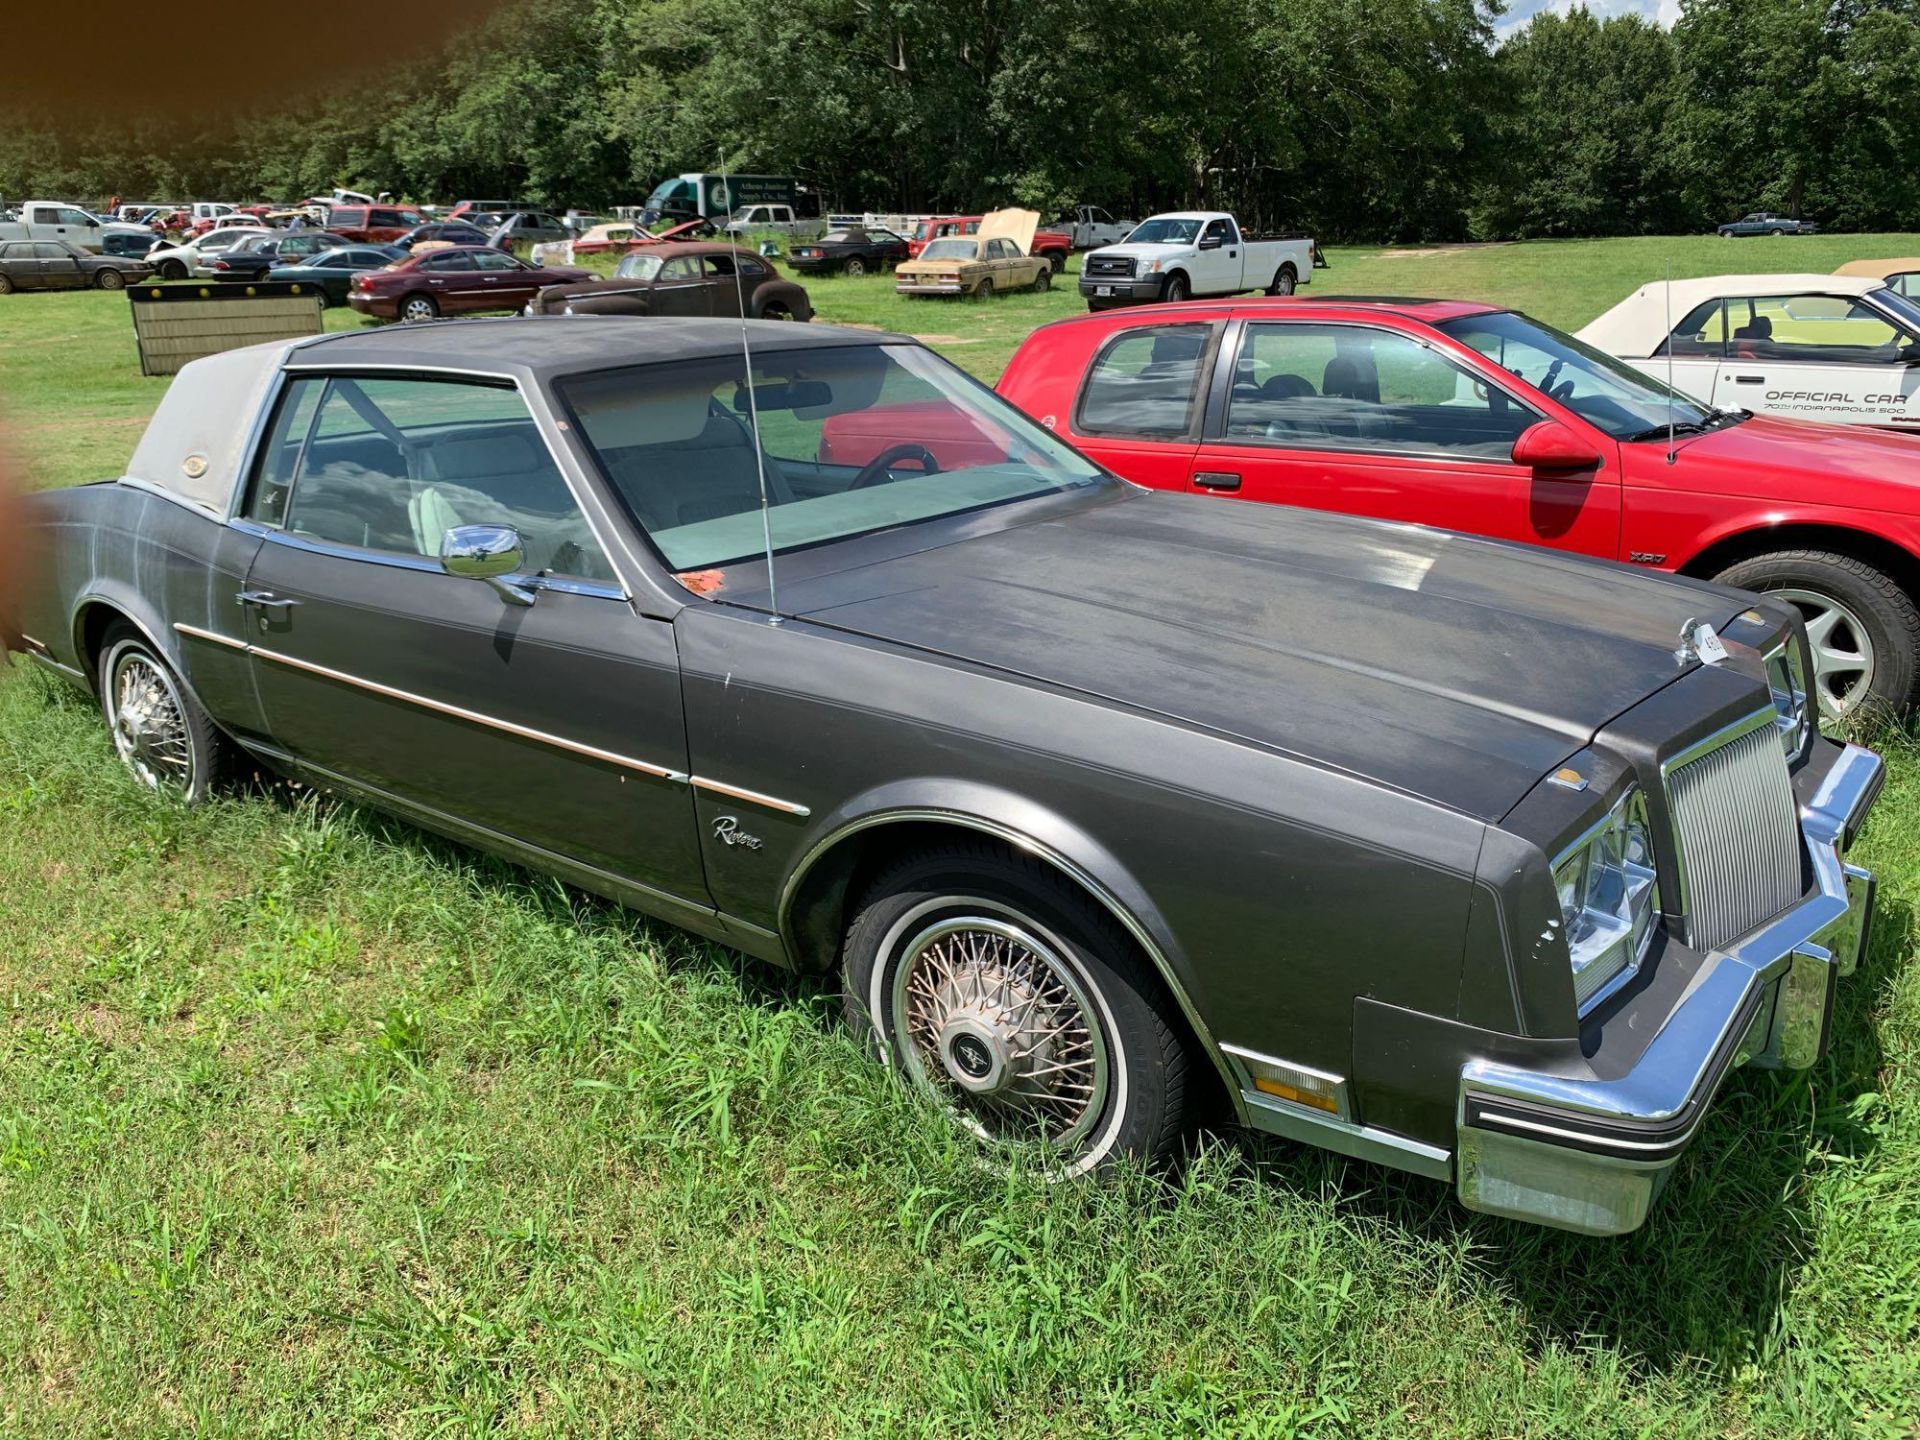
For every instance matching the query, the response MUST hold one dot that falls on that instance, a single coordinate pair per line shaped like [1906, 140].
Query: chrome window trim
[1071, 870]
[393, 559]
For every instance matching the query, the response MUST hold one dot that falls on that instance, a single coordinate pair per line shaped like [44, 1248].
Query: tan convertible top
[1881, 269]
[1639, 324]
[193, 446]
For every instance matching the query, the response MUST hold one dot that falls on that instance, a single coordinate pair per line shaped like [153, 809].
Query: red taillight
[221, 265]
[363, 282]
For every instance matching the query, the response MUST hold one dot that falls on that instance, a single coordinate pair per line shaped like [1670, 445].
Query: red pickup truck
[1055, 245]
[1467, 417]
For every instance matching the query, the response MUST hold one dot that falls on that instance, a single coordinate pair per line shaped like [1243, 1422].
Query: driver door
[1816, 357]
[557, 724]
[1216, 271]
[1373, 422]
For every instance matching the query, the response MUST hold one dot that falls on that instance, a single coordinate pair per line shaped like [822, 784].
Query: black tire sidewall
[1889, 615]
[1176, 290]
[1146, 1111]
[110, 280]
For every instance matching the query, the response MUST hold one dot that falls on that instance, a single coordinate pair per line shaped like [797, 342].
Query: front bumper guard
[1590, 1155]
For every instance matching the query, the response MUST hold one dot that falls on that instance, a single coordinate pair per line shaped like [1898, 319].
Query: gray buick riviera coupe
[1105, 804]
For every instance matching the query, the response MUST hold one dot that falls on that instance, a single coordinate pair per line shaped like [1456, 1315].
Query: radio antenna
[753, 406]
[1667, 290]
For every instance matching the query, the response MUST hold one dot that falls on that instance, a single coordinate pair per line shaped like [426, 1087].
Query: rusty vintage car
[699, 279]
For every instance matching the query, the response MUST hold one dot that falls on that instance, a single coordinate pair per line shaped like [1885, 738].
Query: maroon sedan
[455, 281]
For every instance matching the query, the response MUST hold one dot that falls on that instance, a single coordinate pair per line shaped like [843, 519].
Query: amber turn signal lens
[1281, 1091]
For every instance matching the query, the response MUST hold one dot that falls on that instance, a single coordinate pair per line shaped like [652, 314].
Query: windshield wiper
[1713, 420]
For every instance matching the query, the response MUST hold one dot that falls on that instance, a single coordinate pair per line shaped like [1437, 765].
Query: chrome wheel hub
[149, 727]
[1843, 660]
[991, 1017]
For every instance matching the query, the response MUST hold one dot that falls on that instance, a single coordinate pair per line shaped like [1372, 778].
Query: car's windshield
[1605, 392]
[638, 267]
[844, 237]
[1163, 230]
[853, 439]
[951, 250]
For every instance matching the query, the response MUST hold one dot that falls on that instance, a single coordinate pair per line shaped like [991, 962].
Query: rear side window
[1145, 382]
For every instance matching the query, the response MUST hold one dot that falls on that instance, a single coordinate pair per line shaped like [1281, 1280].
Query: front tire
[1043, 282]
[419, 307]
[1176, 290]
[110, 279]
[173, 270]
[159, 730]
[1020, 1005]
[1863, 625]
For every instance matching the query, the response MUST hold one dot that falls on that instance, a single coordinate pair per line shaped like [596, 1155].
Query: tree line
[1362, 120]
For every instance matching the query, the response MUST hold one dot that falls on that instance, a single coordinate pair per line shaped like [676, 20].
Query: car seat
[1352, 377]
[681, 482]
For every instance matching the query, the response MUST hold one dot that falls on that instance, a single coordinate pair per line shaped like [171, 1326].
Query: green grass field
[312, 1124]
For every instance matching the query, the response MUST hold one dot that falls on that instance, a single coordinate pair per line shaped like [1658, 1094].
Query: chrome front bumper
[1590, 1154]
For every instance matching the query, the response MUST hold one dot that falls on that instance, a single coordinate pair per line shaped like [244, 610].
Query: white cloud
[1665, 12]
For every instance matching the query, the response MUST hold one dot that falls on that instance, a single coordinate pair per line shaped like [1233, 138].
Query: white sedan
[1841, 348]
[196, 256]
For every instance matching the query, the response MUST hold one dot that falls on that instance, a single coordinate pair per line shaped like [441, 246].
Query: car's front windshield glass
[1162, 230]
[951, 250]
[853, 439]
[1607, 393]
[638, 267]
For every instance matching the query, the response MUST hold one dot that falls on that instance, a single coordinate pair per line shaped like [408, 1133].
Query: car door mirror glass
[1553, 446]
[486, 552]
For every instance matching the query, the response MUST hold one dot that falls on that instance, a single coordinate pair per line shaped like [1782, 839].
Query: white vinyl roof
[193, 446]
[1639, 324]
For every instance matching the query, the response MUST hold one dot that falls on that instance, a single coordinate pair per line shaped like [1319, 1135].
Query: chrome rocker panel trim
[1590, 1155]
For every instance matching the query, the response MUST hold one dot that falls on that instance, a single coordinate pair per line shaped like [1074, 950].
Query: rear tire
[1284, 281]
[158, 729]
[419, 307]
[6, 285]
[982, 291]
[856, 268]
[1022, 1006]
[1864, 626]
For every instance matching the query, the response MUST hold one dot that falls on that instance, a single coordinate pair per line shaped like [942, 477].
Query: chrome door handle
[265, 599]
[1216, 479]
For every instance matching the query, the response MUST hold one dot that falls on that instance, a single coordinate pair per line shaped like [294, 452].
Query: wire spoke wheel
[148, 722]
[1843, 658]
[994, 1019]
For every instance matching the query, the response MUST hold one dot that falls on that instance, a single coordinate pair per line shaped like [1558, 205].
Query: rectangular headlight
[1787, 679]
[1609, 898]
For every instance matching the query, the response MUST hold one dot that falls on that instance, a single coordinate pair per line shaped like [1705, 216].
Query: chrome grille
[1738, 835]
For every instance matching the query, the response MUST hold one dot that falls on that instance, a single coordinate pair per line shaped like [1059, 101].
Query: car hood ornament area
[1699, 641]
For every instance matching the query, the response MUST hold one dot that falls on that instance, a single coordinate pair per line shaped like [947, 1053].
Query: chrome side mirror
[490, 553]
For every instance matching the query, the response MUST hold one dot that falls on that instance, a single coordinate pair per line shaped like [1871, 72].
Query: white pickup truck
[1088, 227]
[1189, 253]
[58, 220]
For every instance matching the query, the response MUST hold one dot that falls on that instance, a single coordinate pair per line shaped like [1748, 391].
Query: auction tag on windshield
[1706, 644]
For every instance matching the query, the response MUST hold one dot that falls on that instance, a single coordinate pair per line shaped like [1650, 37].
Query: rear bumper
[381, 307]
[930, 287]
[1591, 1154]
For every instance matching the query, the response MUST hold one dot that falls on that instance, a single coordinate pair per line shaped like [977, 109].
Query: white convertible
[1842, 348]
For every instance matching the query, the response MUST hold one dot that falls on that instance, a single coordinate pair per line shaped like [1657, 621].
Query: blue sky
[1520, 11]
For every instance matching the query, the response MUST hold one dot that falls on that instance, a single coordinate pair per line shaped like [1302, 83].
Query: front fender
[1027, 826]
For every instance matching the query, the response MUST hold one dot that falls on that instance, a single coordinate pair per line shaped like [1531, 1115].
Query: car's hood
[1455, 668]
[1134, 249]
[1790, 462]
[1015, 225]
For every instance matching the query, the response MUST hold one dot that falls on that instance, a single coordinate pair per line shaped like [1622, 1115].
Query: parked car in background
[1902, 276]
[56, 220]
[195, 256]
[1841, 348]
[1466, 417]
[610, 238]
[135, 245]
[1052, 245]
[1108, 810]
[852, 252]
[460, 281]
[527, 228]
[1088, 227]
[205, 215]
[699, 278]
[1191, 253]
[464, 208]
[979, 265]
[62, 265]
[373, 224]
[1765, 222]
[776, 219]
[251, 256]
[331, 272]
[442, 232]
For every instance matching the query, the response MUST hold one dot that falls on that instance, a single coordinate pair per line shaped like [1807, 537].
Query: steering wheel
[880, 468]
